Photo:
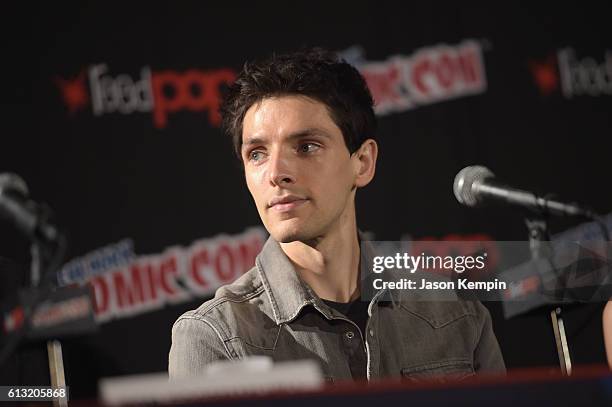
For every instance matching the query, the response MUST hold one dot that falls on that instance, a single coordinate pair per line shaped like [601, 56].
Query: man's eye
[255, 155]
[308, 148]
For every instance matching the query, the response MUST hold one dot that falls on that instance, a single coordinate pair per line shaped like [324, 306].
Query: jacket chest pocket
[442, 371]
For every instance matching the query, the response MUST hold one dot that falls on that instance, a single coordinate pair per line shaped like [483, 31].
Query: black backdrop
[163, 175]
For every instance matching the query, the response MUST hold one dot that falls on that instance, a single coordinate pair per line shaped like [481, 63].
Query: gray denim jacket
[270, 311]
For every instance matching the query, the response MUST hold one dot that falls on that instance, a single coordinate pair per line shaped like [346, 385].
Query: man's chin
[289, 233]
[286, 237]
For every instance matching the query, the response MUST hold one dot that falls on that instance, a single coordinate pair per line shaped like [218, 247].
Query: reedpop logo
[157, 92]
[575, 76]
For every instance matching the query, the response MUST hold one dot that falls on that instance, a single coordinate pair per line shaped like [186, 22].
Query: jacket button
[350, 335]
[371, 332]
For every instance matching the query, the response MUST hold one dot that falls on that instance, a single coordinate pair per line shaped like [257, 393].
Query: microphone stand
[538, 234]
[54, 347]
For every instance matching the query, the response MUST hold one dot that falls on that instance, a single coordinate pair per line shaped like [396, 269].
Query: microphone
[475, 185]
[28, 217]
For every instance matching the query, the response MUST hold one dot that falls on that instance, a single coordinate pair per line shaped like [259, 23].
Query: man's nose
[281, 168]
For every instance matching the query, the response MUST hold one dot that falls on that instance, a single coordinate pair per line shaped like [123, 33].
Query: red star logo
[545, 75]
[74, 92]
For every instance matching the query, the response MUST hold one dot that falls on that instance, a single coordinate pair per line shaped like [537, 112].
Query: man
[304, 127]
[607, 331]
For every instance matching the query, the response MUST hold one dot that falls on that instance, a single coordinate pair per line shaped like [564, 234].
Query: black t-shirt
[356, 311]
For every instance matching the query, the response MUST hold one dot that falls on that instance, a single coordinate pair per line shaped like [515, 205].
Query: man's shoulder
[242, 290]
[239, 300]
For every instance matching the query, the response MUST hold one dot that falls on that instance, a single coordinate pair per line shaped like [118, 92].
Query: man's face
[297, 167]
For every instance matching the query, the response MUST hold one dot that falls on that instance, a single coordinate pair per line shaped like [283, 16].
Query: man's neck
[329, 265]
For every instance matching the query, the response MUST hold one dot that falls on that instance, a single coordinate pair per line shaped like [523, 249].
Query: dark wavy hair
[315, 73]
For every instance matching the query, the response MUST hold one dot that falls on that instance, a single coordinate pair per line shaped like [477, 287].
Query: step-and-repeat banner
[126, 149]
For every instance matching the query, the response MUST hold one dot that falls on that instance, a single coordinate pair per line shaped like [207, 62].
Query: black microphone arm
[28, 216]
[475, 185]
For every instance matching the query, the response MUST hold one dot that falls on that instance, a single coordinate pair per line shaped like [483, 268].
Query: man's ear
[364, 162]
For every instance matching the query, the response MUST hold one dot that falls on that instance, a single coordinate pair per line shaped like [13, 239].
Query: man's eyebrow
[297, 135]
[313, 131]
[253, 140]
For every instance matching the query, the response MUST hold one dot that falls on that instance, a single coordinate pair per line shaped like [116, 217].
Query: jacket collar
[287, 293]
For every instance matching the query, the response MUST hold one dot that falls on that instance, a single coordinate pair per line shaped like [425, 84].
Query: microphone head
[11, 182]
[465, 181]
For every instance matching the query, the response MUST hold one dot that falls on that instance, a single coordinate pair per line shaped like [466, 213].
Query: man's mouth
[286, 203]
